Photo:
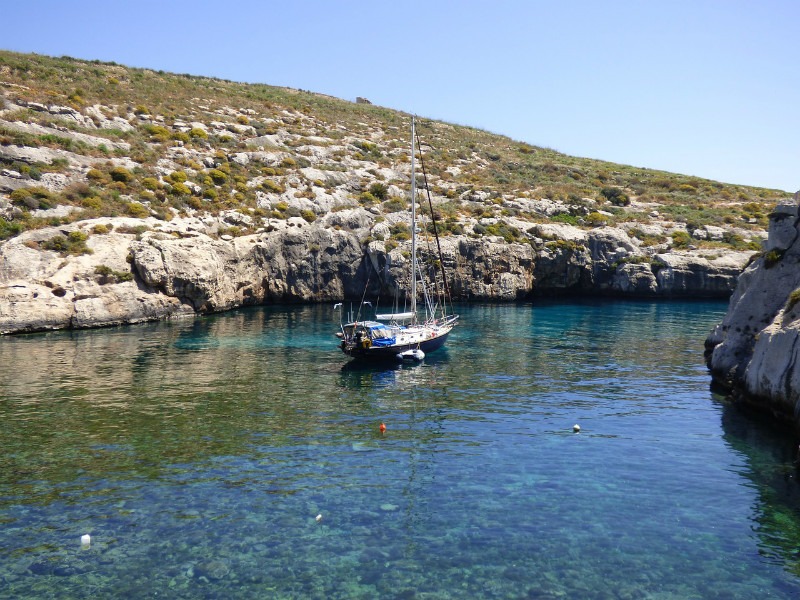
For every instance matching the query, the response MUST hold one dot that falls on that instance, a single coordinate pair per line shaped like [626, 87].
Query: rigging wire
[448, 296]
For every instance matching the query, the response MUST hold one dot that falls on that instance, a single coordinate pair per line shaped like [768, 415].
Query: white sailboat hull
[426, 338]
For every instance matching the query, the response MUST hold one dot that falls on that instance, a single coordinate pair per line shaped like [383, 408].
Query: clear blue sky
[701, 87]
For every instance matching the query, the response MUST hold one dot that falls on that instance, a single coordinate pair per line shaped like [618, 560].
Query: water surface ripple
[199, 455]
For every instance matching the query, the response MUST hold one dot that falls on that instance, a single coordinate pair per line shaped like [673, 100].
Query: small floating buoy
[576, 428]
[382, 428]
[86, 540]
[318, 517]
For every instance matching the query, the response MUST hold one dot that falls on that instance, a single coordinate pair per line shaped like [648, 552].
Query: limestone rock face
[756, 350]
[490, 269]
[183, 267]
[177, 271]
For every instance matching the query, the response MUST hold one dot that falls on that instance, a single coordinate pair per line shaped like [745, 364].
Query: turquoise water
[199, 455]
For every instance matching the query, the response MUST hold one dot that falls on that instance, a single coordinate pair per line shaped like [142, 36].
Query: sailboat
[402, 336]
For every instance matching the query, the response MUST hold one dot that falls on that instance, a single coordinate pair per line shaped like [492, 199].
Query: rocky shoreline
[755, 352]
[139, 270]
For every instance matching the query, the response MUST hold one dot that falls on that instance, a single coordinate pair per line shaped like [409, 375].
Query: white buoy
[319, 518]
[576, 428]
[86, 540]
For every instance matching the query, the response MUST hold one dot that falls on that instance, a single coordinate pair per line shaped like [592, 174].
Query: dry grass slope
[109, 140]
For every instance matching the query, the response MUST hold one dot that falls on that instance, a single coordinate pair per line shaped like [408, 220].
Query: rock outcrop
[755, 351]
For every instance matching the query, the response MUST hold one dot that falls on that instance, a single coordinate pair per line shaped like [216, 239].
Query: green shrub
[400, 232]
[210, 193]
[395, 205]
[507, 232]
[92, 203]
[74, 243]
[121, 174]
[616, 196]
[19, 195]
[681, 239]
[595, 219]
[101, 228]
[794, 298]
[773, 257]
[150, 183]
[566, 245]
[178, 176]
[272, 186]
[137, 210]
[109, 275]
[198, 133]
[308, 215]
[96, 175]
[565, 217]
[217, 176]
[367, 199]
[379, 190]
[180, 189]
[9, 229]
[32, 197]
[158, 133]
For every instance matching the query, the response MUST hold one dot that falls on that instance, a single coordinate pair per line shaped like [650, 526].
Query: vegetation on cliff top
[117, 141]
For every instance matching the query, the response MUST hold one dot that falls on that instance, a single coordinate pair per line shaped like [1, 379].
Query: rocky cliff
[755, 351]
[132, 270]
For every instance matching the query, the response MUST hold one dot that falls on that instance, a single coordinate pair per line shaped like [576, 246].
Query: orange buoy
[382, 428]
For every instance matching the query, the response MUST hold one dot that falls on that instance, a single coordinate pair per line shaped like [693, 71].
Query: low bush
[367, 199]
[180, 189]
[794, 298]
[395, 205]
[137, 210]
[121, 174]
[681, 239]
[616, 196]
[272, 186]
[772, 258]
[150, 183]
[109, 275]
[217, 176]
[379, 190]
[9, 229]
[74, 243]
[565, 217]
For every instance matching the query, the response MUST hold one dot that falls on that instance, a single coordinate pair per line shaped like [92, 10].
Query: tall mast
[413, 225]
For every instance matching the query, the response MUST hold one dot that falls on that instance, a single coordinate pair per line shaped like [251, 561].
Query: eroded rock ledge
[145, 269]
[755, 351]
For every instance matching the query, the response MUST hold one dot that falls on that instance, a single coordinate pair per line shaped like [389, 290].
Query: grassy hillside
[162, 144]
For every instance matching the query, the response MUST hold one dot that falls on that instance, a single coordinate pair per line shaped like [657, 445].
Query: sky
[709, 88]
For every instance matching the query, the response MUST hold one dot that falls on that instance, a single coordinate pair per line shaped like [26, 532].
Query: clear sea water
[239, 456]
